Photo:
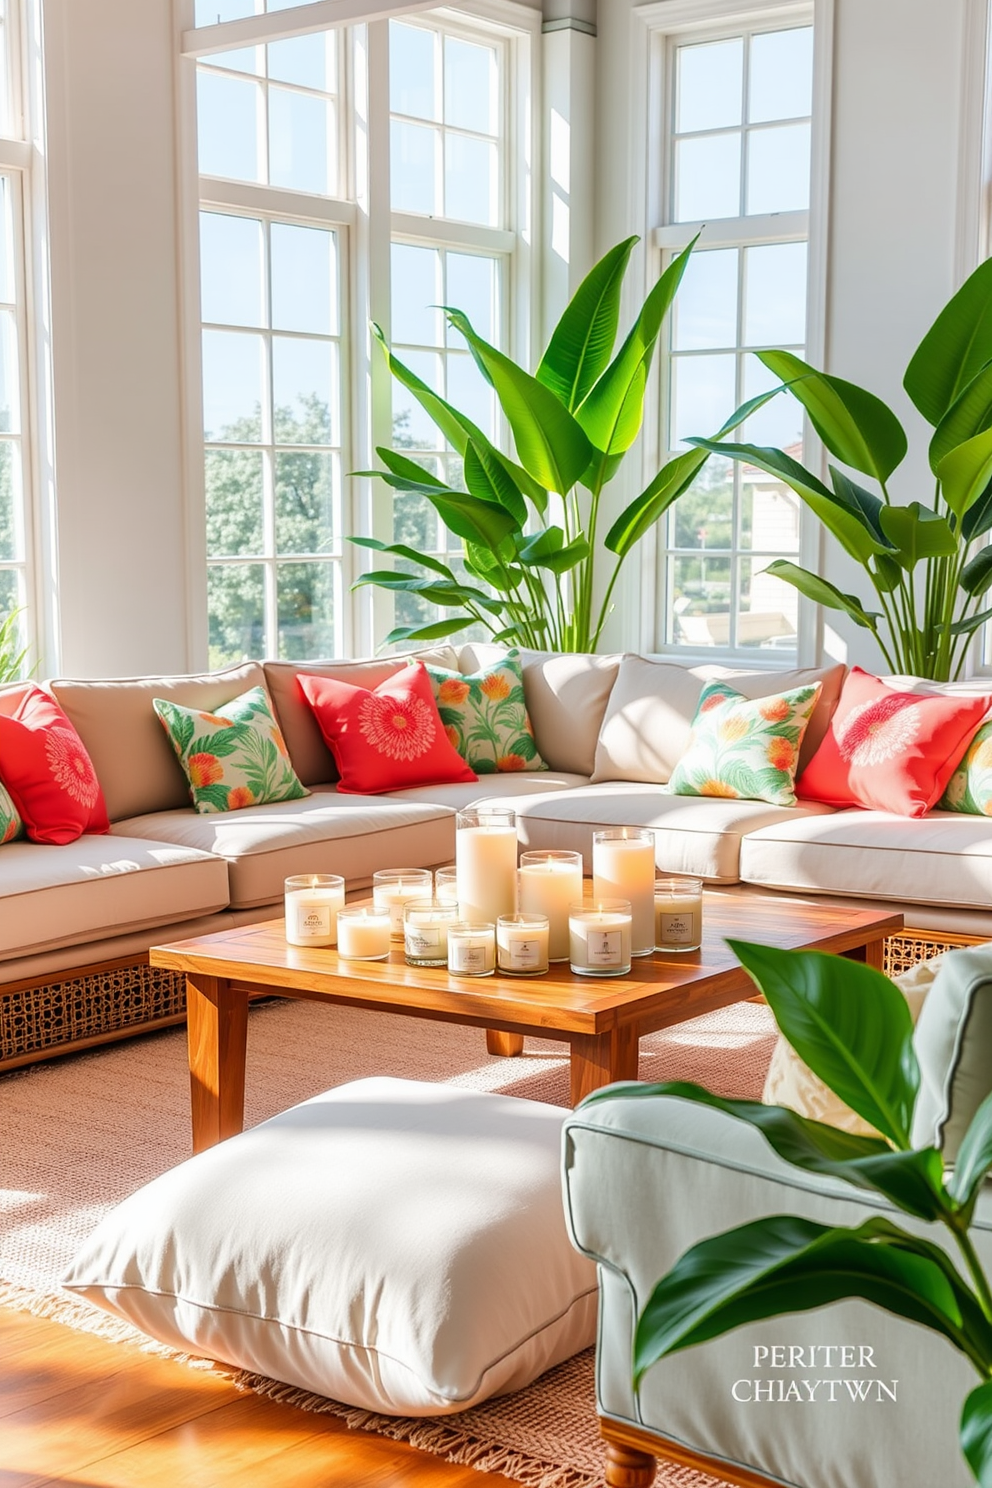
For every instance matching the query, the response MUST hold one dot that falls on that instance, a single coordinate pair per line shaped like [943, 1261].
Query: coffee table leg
[217, 1034]
[599, 1058]
[507, 1044]
[871, 954]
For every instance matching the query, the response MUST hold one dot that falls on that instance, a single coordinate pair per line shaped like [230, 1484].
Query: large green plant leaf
[976, 1433]
[849, 1023]
[612, 412]
[965, 473]
[974, 1159]
[437, 630]
[955, 348]
[850, 525]
[487, 479]
[970, 623]
[822, 592]
[855, 426]
[463, 514]
[857, 499]
[976, 576]
[642, 513]
[916, 533]
[438, 592]
[968, 415]
[784, 1264]
[400, 550]
[582, 342]
[551, 445]
[977, 520]
[549, 550]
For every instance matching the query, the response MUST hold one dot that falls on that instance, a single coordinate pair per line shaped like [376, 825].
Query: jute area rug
[81, 1133]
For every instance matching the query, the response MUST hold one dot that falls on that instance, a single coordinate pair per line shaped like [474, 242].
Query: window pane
[702, 395]
[232, 386]
[231, 283]
[228, 113]
[781, 81]
[412, 428]
[307, 60]
[304, 390]
[472, 287]
[470, 86]
[700, 601]
[305, 598]
[769, 513]
[306, 502]
[6, 242]
[705, 309]
[416, 288]
[11, 504]
[471, 394]
[304, 279]
[413, 168]
[245, 59]
[412, 88]
[234, 502]
[775, 295]
[212, 12]
[709, 85]
[780, 421]
[708, 177]
[470, 173]
[10, 393]
[703, 516]
[12, 598]
[236, 611]
[778, 169]
[768, 612]
[301, 142]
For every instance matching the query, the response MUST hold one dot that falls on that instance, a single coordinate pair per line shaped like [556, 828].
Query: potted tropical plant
[531, 527]
[853, 1028]
[927, 563]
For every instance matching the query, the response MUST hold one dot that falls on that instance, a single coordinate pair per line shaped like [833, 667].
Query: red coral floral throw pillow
[50, 776]
[388, 739]
[890, 751]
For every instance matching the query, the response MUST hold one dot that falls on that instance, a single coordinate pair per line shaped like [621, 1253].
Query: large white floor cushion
[394, 1245]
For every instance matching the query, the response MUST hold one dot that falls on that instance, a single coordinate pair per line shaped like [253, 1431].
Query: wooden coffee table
[602, 1020]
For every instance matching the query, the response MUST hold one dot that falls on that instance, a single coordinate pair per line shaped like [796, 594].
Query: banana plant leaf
[487, 479]
[977, 520]
[969, 623]
[976, 576]
[858, 500]
[955, 348]
[410, 555]
[582, 342]
[968, 415]
[549, 550]
[976, 1433]
[849, 1023]
[916, 533]
[670, 482]
[974, 1159]
[436, 631]
[822, 592]
[855, 426]
[446, 594]
[965, 473]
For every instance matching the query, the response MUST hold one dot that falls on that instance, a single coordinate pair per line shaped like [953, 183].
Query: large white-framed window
[733, 119]
[346, 174]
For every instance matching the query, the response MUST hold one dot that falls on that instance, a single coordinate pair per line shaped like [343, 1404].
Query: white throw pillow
[394, 1245]
[792, 1083]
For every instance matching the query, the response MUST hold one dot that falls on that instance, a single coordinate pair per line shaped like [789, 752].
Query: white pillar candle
[486, 864]
[678, 914]
[363, 934]
[425, 931]
[623, 867]
[548, 882]
[471, 949]
[392, 888]
[522, 944]
[312, 903]
[600, 938]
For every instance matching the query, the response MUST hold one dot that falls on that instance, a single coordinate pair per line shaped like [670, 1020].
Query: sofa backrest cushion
[566, 696]
[312, 760]
[132, 757]
[646, 728]
[953, 1041]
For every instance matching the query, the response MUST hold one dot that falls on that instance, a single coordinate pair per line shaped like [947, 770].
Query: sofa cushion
[48, 772]
[694, 834]
[650, 711]
[324, 833]
[970, 787]
[232, 757]
[101, 885]
[745, 747]
[939, 859]
[131, 755]
[485, 716]
[566, 698]
[11, 824]
[502, 790]
[312, 760]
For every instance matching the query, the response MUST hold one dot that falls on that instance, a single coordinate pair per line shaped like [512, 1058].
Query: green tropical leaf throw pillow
[745, 748]
[11, 825]
[970, 787]
[232, 757]
[485, 716]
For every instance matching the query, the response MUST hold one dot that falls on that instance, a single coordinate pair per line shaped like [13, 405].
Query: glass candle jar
[446, 883]
[623, 867]
[363, 934]
[486, 864]
[547, 883]
[425, 931]
[471, 949]
[394, 887]
[312, 902]
[599, 933]
[678, 913]
[522, 944]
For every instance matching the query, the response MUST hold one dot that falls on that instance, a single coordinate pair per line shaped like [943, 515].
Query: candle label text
[521, 955]
[315, 922]
[677, 929]
[465, 957]
[604, 948]
[422, 939]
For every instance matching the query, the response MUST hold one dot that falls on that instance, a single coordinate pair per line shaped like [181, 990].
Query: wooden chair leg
[627, 1467]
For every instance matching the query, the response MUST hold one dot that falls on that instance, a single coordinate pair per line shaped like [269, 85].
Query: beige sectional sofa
[76, 921]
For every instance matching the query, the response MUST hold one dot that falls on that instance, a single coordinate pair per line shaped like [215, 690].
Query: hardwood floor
[78, 1412]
